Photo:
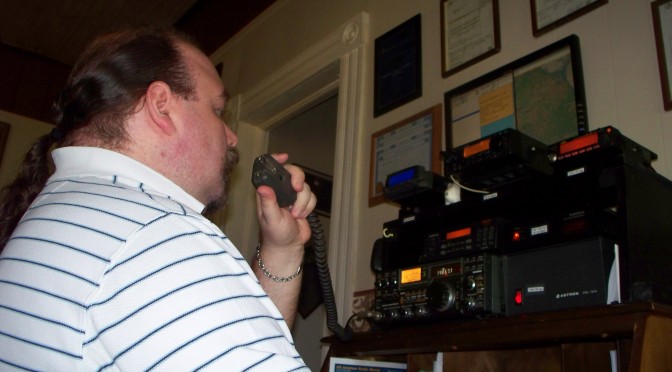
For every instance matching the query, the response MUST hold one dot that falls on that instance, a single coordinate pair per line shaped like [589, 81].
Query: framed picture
[469, 33]
[4, 134]
[662, 24]
[397, 67]
[541, 95]
[413, 141]
[550, 14]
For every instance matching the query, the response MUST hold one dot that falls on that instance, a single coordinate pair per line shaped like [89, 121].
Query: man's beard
[228, 165]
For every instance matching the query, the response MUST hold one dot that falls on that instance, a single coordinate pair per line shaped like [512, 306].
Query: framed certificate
[397, 67]
[550, 14]
[4, 134]
[662, 24]
[469, 33]
[413, 141]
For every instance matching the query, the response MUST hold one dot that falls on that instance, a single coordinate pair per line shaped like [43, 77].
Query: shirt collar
[74, 161]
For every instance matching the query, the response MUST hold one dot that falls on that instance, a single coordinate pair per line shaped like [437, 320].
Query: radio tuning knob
[471, 285]
[441, 295]
[377, 315]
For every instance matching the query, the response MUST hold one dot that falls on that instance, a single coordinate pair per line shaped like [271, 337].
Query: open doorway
[310, 139]
[334, 65]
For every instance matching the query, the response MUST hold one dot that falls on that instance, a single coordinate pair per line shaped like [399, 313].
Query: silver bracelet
[271, 276]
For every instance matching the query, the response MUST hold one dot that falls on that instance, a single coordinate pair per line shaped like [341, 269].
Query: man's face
[208, 153]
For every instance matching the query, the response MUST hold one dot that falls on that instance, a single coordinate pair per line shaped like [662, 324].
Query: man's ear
[159, 101]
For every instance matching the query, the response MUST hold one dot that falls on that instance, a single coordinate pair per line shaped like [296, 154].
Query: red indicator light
[516, 236]
[518, 297]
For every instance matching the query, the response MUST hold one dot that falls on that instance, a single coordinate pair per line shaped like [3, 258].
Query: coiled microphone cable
[320, 252]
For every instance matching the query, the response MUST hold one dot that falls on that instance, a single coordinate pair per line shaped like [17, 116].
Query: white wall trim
[305, 79]
[344, 227]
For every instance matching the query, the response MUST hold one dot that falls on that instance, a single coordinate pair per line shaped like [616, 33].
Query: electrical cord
[319, 249]
[452, 178]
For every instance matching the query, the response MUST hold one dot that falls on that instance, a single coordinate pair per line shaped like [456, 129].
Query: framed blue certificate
[414, 141]
[397, 67]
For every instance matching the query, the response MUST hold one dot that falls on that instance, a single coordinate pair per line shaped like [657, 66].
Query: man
[112, 266]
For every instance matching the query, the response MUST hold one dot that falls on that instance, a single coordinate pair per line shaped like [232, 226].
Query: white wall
[286, 29]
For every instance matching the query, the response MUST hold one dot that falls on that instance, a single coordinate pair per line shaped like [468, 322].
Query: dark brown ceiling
[40, 39]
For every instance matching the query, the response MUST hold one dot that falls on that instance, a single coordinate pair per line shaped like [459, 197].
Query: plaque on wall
[397, 67]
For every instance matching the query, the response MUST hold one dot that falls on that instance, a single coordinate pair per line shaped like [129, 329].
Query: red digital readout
[476, 148]
[578, 143]
[458, 233]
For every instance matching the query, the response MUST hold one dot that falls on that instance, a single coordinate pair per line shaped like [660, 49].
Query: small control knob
[377, 316]
[421, 311]
[470, 285]
[441, 295]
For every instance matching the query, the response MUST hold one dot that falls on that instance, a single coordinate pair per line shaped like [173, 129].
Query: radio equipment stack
[581, 222]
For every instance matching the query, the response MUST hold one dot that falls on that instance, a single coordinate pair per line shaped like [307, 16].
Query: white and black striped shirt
[114, 268]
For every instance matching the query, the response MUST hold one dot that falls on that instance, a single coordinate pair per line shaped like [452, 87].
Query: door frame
[335, 64]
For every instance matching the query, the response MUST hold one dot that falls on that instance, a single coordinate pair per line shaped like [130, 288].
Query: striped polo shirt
[114, 268]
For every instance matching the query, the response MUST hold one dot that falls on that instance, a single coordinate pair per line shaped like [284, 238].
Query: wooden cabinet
[632, 337]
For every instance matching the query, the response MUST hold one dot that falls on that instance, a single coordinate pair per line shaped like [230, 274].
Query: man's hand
[284, 232]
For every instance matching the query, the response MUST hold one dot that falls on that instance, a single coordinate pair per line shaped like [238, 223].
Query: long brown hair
[104, 86]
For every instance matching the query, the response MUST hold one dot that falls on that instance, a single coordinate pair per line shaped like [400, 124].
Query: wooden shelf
[563, 335]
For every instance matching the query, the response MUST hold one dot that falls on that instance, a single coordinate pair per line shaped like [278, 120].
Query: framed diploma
[662, 24]
[4, 134]
[413, 141]
[397, 67]
[550, 14]
[469, 33]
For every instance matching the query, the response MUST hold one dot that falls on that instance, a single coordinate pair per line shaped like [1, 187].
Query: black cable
[320, 252]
